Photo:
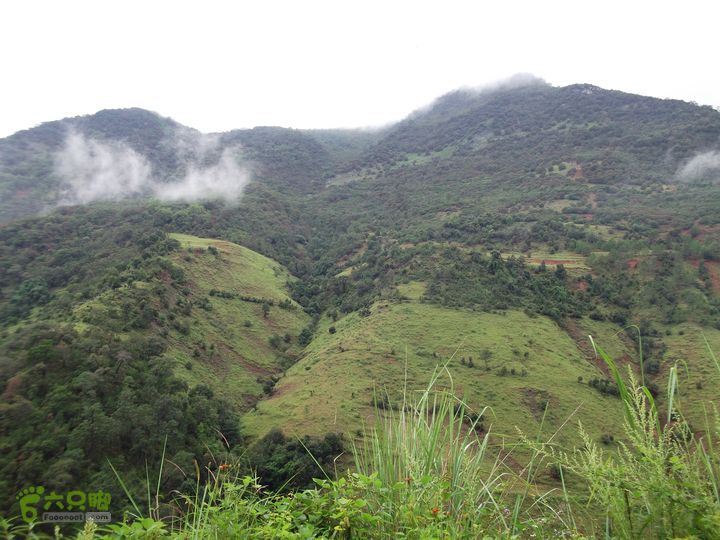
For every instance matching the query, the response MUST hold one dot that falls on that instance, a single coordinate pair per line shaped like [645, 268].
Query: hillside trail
[582, 342]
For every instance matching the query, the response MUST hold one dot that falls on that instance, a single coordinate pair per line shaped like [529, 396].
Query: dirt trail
[583, 343]
[231, 355]
[281, 390]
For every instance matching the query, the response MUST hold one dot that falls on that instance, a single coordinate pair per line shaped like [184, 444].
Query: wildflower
[224, 466]
[435, 510]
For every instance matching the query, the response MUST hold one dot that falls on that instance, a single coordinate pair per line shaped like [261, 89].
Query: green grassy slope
[331, 388]
[227, 345]
[222, 342]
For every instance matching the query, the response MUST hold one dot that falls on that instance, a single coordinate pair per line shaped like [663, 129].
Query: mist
[705, 166]
[518, 80]
[224, 180]
[93, 170]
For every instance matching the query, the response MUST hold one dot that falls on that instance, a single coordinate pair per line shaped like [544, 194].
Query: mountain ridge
[488, 236]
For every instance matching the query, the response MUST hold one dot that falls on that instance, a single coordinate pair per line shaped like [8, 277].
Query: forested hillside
[228, 295]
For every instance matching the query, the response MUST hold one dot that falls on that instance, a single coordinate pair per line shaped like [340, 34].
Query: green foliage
[284, 463]
[487, 213]
[663, 481]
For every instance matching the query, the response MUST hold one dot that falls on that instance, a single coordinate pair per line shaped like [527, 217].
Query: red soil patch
[713, 268]
[578, 172]
[714, 271]
[581, 286]
[704, 232]
[583, 343]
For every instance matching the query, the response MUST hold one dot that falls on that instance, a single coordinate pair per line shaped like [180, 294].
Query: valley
[478, 244]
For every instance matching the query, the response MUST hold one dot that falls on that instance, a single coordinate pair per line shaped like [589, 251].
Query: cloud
[224, 180]
[705, 166]
[518, 80]
[92, 170]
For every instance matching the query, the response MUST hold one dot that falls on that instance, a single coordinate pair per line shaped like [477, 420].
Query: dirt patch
[12, 388]
[507, 458]
[632, 264]
[282, 390]
[222, 246]
[231, 355]
[578, 172]
[537, 401]
[250, 400]
[345, 259]
[704, 231]
[583, 343]
[713, 268]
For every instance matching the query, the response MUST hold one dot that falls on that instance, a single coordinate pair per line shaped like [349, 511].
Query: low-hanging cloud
[705, 166]
[93, 170]
[224, 180]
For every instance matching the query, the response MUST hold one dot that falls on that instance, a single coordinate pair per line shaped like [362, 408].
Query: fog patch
[518, 80]
[224, 180]
[93, 170]
[705, 166]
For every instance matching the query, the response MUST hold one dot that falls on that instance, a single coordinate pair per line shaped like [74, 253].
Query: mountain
[217, 287]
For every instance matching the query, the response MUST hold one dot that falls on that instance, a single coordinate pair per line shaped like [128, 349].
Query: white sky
[220, 65]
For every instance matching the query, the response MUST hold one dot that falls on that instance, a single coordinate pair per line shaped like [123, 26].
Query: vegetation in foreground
[425, 471]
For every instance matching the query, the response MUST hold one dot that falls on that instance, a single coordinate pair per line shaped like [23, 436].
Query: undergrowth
[425, 470]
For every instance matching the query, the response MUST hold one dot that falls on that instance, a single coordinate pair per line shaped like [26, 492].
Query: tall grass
[429, 456]
[662, 482]
[425, 470]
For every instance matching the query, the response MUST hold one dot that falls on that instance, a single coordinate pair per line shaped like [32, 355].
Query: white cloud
[224, 180]
[92, 170]
[702, 166]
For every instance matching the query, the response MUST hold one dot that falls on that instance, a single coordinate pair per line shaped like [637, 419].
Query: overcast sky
[221, 65]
